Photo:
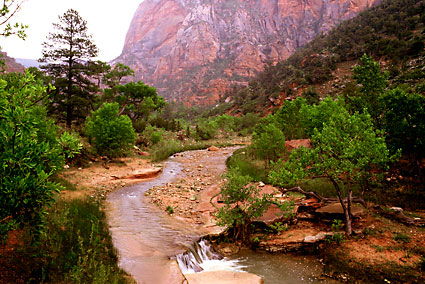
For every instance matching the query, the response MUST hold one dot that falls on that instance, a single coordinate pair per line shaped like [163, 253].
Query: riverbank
[381, 249]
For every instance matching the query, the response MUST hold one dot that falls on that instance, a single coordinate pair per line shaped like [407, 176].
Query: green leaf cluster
[242, 203]
[111, 134]
[29, 154]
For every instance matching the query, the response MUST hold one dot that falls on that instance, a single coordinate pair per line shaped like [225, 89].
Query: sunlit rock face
[193, 50]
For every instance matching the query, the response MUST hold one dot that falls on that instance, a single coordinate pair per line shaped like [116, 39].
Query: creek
[148, 240]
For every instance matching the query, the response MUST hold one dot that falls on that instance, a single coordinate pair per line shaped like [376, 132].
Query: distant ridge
[28, 62]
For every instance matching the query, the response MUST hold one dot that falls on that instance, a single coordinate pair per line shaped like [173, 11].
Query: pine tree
[68, 52]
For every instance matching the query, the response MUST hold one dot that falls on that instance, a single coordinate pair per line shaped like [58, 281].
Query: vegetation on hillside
[392, 32]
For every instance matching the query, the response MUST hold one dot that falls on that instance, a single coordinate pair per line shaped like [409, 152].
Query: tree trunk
[347, 214]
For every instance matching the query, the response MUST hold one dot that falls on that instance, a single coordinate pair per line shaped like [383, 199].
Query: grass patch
[77, 246]
[242, 159]
[320, 186]
[164, 149]
[402, 238]
[65, 183]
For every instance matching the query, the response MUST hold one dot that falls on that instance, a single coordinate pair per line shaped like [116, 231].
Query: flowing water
[146, 238]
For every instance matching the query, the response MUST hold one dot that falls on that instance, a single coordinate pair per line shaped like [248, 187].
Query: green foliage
[113, 77]
[29, 155]
[206, 129]
[170, 209]
[314, 117]
[156, 137]
[288, 119]
[244, 160]
[279, 227]
[136, 99]
[402, 238]
[111, 134]
[345, 151]
[242, 204]
[404, 122]
[372, 84]
[336, 236]
[269, 144]
[71, 145]
[311, 96]
[7, 11]
[77, 246]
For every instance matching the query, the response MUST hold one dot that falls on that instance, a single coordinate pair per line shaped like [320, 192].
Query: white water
[201, 257]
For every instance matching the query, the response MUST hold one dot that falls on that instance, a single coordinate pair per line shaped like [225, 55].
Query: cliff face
[10, 64]
[193, 50]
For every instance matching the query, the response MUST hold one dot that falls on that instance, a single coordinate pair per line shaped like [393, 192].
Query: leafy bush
[110, 134]
[170, 210]
[206, 130]
[242, 204]
[71, 145]
[28, 157]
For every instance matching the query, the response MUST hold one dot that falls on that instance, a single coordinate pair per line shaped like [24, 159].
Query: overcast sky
[107, 22]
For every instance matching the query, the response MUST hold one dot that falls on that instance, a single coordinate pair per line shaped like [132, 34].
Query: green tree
[316, 116]
[404, 123]
[242, 204]
[372, 84]
[269, 143]
[110, 133]
[345, 151]
[67, 52]
[288, 118]
[29, 154]
[114, 77]
[138, 100]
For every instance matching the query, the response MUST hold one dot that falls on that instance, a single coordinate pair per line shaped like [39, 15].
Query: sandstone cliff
[10, 64]
[193, 50]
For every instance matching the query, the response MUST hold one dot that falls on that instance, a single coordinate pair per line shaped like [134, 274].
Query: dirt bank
[100, 178]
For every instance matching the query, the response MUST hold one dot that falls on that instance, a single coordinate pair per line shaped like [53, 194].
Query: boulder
[335, 210]
[213, 149]
[146, 173]
[223, 277]
[272, 215]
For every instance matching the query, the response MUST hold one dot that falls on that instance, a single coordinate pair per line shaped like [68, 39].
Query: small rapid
[201, 257]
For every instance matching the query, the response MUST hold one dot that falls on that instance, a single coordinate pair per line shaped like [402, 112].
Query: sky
[107, 22]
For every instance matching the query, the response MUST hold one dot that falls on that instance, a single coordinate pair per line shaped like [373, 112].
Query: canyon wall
[192, 51]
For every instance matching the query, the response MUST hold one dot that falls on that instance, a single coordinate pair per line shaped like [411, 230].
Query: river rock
[227, 249]
[213, 149]
[335, 210]
[146, 173]
[223, 277]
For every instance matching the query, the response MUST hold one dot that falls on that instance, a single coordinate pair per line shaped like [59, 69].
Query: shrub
[242, 204]
[71, 145]
[170, 210]
[28, 157]
[110, 133]
[156, 137]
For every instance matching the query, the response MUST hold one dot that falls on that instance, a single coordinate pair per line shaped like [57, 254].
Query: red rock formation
[11, 64]
[192, 50]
